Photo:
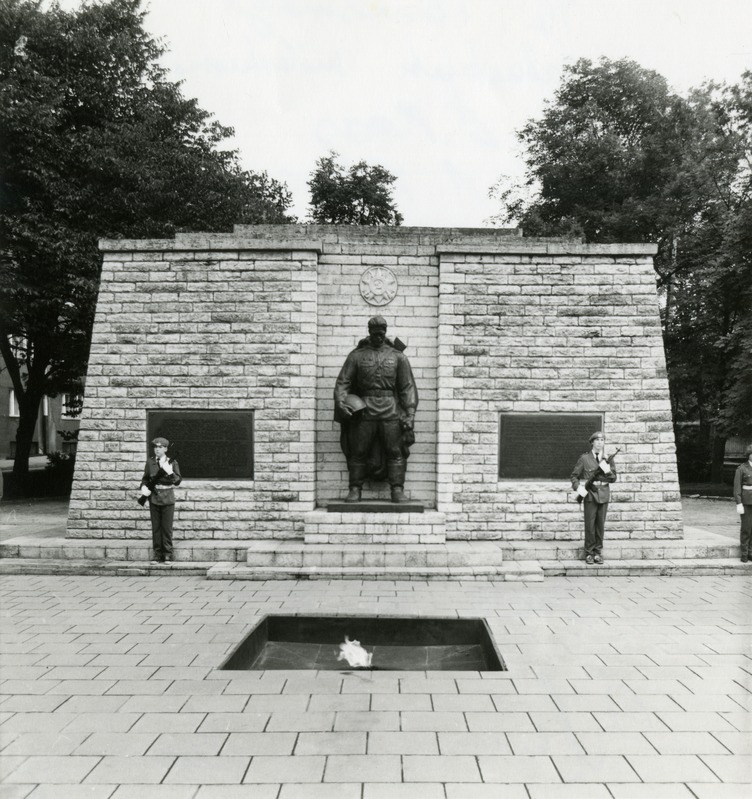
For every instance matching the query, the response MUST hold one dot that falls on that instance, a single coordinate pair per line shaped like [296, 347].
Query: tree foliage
[97, 143]
[617, 156]
[360, 195]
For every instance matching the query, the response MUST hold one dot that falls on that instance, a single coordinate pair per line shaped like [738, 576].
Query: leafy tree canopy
[617, 156]
[97, 143]
[360, 195]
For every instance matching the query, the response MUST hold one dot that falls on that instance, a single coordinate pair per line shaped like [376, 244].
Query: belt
[162, 488]
[605, 483]
[377, 392]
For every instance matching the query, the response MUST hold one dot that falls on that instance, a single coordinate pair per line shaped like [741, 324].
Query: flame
[354, 654]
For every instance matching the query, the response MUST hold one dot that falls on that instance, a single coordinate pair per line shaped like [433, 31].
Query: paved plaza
[617, 687]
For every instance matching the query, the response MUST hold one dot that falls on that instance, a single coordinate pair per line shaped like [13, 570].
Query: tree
[617, 156]
[361, 195]
[97, 143]
[713, 284]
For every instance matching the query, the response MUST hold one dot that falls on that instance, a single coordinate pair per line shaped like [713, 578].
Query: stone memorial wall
[552, 328]
[261, 320]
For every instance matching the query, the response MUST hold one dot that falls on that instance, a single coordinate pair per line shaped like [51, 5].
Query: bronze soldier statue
[375, 399]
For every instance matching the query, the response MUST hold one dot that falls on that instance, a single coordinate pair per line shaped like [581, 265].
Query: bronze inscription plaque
[543, 446]
[215, 445]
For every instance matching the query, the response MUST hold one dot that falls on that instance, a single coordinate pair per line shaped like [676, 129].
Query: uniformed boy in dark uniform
[162, 474]
[597, 497]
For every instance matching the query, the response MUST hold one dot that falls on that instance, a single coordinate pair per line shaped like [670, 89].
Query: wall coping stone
[541, 246]
[206, 242]
[315, 238]
[372, 233]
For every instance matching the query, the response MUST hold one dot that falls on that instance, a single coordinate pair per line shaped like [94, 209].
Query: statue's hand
[408, 424]
[343, 409]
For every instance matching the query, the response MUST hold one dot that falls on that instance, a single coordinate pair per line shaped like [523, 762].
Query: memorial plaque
[215, 445]
[543, 446]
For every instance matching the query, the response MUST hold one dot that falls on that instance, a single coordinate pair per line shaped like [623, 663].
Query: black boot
[357, 472]
[395, 472]
[398, 495]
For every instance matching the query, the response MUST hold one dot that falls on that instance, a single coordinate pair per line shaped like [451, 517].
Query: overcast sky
[431, 89]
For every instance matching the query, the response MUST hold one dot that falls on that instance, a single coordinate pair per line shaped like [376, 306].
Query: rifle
[152, 483]
[598, 473]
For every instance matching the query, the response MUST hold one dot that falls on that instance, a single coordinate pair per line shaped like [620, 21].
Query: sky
[433, 90]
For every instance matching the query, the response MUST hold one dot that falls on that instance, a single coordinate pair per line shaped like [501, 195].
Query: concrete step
[709, 548]
[678, 567]
[297, 555]
[455, 560]
[112, 568]
[532, 571]
[324, 527]
[200, 550]
[518, 572]
[137, 551]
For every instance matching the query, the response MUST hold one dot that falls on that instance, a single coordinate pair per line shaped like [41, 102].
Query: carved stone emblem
[378, 285]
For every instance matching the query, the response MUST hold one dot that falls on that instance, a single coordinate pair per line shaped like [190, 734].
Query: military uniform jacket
[584, 469]
[382, 378]
[162, 493]
[743, 484]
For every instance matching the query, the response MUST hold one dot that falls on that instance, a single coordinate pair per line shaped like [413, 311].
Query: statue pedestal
[385, 526]
[377, 545]
[375, 506]
[391, 543]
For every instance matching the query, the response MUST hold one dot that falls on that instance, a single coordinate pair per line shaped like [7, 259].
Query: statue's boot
[353, 495]
[396, 476]
[398, 494]
[357, 477]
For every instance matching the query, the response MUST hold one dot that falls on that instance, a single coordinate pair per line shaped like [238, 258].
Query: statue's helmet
[377, 321]
[354, 403]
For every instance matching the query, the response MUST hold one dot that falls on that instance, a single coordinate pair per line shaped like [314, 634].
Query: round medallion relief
[378, 285]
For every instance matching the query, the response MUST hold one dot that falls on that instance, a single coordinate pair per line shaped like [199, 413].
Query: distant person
[161, 474]
[590, 479]
[743, 499]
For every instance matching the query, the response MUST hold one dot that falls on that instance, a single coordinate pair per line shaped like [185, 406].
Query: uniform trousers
[745, 533]
[595, 525]
[161, 529]
[362, 434]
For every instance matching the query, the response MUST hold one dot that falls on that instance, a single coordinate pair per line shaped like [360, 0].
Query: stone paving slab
[617, 687]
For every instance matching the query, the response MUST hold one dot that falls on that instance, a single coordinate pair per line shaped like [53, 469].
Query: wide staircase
[403, 548]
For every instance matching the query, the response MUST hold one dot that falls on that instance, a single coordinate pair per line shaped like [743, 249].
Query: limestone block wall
[262, 319]
[347, 252]
[200, 323]
[342, 321]
[552, 328]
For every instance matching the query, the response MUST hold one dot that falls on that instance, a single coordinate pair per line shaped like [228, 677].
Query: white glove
[145, 491]
[740, 509]
[605, 468]
[166, 466]
[582, 491]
